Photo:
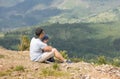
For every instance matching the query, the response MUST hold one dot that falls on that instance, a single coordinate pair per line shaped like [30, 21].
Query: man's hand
[47, 49]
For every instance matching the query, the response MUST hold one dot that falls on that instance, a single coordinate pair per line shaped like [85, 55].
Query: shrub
[116, 62]
[101, 60]
[64, 54]
[24, 43]
[77, 59]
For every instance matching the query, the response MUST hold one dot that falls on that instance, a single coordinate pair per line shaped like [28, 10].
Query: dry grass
[17, 64]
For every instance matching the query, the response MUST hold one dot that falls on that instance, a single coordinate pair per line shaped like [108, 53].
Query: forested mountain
[85, 40]
[21, 13]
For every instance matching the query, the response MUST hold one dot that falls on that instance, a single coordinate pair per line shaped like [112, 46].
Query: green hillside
[22, 13]
[85, 40]
[111, 15]
[79, 15]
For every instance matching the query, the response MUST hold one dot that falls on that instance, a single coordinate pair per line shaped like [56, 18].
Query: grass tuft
[52, 72]
[4, 73]
[19, 68]
[55, 66]
[2, 56]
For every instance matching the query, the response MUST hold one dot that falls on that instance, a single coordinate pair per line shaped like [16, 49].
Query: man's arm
[47, 49]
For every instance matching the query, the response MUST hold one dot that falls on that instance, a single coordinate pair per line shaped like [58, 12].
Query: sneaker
[68, 61]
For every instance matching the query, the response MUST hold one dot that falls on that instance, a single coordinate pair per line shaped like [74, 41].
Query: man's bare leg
[58, 55]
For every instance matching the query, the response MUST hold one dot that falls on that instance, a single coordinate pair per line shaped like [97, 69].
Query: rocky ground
[16, 65]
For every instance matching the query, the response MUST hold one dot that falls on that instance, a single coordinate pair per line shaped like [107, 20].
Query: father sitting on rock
[39, 51]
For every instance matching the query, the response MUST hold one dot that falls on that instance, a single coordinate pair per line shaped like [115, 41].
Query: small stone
[15, 74]
[1, 66]
[36, 68]
[29, 76]
[68, 67]
[5, 77]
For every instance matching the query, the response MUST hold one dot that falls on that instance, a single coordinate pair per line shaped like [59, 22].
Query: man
[39, 51]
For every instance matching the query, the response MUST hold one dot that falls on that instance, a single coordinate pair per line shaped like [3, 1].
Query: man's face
[42, 34]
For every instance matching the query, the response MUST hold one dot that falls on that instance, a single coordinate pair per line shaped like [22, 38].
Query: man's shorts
[46, 55]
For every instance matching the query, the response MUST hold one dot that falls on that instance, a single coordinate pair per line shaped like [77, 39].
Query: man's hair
[38, 31]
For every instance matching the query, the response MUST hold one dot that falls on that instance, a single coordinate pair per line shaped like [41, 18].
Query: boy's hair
[45, 38]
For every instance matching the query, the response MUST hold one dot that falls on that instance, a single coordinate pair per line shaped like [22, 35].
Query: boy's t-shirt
[36, 47]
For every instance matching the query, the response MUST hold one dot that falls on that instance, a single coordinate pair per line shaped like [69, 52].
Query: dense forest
[85, 40]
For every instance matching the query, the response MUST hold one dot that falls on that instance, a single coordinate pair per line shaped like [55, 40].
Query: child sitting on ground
[45, 40]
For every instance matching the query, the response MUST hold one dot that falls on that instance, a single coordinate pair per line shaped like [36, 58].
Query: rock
[36, 68]
[5, 77]
[21, 77]
[1, 67]
[16, 74]
[85, 76]
[29, 76]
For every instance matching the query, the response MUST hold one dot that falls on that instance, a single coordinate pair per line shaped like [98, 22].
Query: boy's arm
[47, 49]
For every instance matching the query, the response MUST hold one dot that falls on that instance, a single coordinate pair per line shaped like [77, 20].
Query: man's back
[36, 47]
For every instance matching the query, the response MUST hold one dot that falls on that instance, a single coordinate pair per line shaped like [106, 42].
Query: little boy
[45, 39]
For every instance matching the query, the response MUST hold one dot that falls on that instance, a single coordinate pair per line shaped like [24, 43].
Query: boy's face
[45, 41]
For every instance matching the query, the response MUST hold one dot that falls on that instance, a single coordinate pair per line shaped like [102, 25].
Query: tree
[24, 43]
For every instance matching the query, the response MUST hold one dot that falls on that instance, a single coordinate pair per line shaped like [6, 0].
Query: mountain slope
[112, 15]
[20, 66]
[84, 40]
[82, 9]
[23, 13]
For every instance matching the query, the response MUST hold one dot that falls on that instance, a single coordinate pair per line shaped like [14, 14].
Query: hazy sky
[9, 3]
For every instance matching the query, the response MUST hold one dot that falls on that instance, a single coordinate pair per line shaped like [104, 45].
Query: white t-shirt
[36, 47]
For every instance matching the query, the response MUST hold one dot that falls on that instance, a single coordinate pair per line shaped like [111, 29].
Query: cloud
[9, 3]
